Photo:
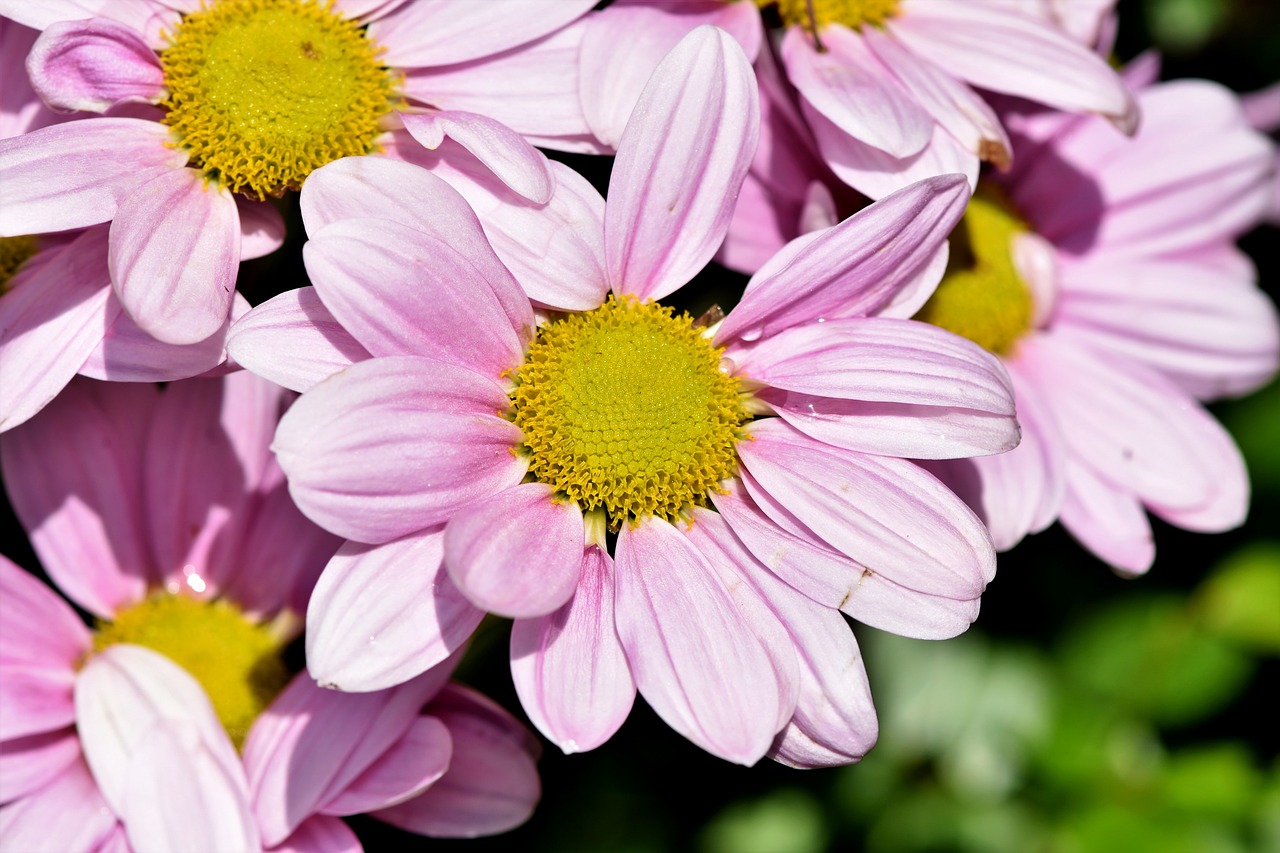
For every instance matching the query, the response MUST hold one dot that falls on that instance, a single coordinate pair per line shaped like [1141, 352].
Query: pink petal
[834, 714]
[34, 699]
[159, 754]
[886, 513]
[799, 557]
[73, 175]
[261, 228]
[1108, 519]
[311, 745]
[37, 628]
[405, 770]
[513, 160]
[694, 655]
[381, 615]
[73, 475]
[20, 109]
[29, 763]
[516, 553]
[175, 251]
[66, 814]
[94, 64]
[391, 446]
[293, 340]
[849, 85]
[1013, 53]
[491, 785]
[51, 319]
[855, 267]
[569, 668]
[320, 834]
[150, 18]
[399, 291]
[437, 32]
[680, 164]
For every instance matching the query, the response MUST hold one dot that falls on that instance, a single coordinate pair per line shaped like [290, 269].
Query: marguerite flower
[173, 723]
[479, 459]
[252, 96]
[889, 87]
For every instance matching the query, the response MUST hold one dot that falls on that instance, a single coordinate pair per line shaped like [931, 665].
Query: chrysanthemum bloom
[888, 86]
[251, 96]
[173, 722]
[480, 460]
[1101, 269]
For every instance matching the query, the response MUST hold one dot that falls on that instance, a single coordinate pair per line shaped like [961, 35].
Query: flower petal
[381, 615]
[513, 160]
[408, 768]
[680, 164]
[1108, 519]
[516, 553]
[66, 814]
[39, 628]
[321, 834]
[34, 699]
[437, 32]
[393, 445]
[569, 668]
[29, 763]
[94, 64]
[262, 228]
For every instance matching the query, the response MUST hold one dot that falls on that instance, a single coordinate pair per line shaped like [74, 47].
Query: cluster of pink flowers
[992, 281]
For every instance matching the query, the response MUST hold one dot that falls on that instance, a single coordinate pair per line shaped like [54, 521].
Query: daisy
[889, 87]
[173, 723]
[661, 505]
[250, 97]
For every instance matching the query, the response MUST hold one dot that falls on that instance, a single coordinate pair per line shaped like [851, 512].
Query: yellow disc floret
[264, 92]
[14, 252]
[815, 14]
[982, 296]
[236, 661]
[625, 409]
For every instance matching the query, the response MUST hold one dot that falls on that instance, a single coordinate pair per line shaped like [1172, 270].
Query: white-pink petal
[417, 760]
[68, 813]
[293, 340]
[513, 160]
[92, 65]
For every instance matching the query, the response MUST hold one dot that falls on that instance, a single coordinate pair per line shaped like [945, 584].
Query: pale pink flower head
[665, 506]
[892, 89]
[238, 100]
[173, 722]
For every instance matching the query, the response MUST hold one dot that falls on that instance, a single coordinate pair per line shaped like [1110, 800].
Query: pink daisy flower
[890, 88]
[250, 96]
[483, 453]
[173, 723]
[1101, 269]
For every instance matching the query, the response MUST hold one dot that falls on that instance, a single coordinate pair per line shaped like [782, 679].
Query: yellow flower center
[236, 661]
[14, 252]
[625, 409]
[264, 92]
[815, 14]
[982, 297]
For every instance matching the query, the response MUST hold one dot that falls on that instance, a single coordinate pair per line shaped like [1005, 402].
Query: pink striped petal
[854, 268]
[569, 668]
[692, 652]
[381, 615]
[34, 699]
[391, 446]
[799, 557]
[399, 291]
[37, 628]
[852, 89]
[1009, 52]
[321, 834]
[73, 475]
[886, 513]
[516, 553]
[437, 32]
[51, 319]
[1108, 519]
[159, 754]
[293, 340]
[58, 177]
[94, 64]
[311, 745]
[261, 228]
[491, 785]
[29, 763]
[513, 160]
[66, 814]
[408, 768]
[680, 164]
[151, 18]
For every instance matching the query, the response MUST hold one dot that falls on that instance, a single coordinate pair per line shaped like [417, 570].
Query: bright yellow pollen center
[236, 661]
[264, 92]
[982, 297]
[625, 409]
[815, 14]
[14, 252]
